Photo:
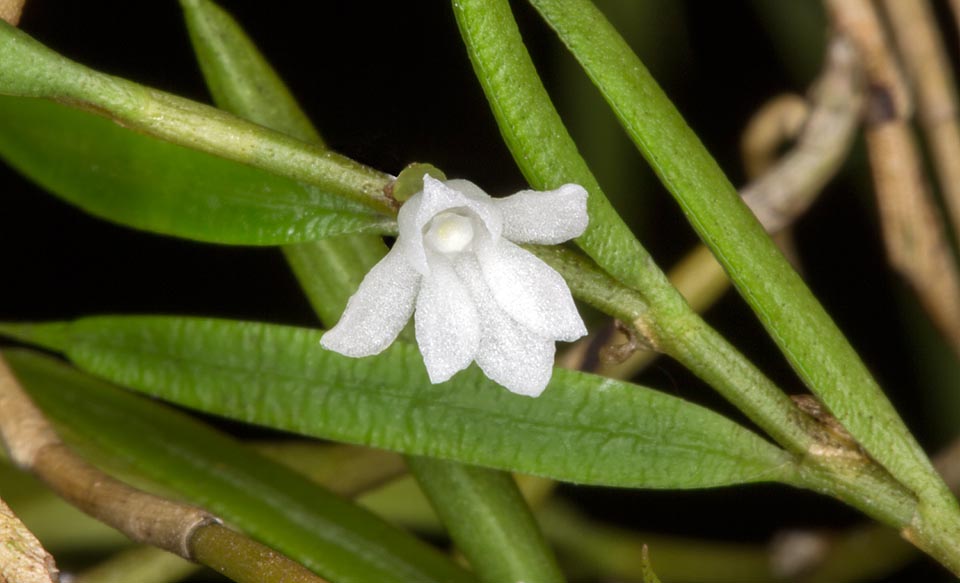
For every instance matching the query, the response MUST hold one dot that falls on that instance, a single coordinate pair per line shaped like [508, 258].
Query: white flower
[478, 296]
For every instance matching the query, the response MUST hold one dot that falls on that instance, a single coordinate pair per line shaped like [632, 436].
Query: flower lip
[449, 232]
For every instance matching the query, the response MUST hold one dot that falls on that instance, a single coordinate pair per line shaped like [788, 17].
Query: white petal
[509, 353]
[530, 291]
[378, 310]
[547, 218]
[436, 198]
[447, 324]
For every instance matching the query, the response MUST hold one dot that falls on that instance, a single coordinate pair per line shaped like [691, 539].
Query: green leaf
[280, 507]
[157, 186]
[788, 310]
[584, 428]
[32, 70]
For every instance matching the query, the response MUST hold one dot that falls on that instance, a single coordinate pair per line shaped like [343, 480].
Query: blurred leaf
[157, 186]
[584, 428]
[278, 506]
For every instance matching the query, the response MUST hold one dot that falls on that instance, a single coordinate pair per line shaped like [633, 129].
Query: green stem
[32, 70]
[478, 506]
[244, 560]
[793, 317]
[546, 154]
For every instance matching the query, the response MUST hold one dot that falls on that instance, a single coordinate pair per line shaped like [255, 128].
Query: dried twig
[776, 123]
[10, 10]
[924, 57]
[778, 197]
[22, 557]
[914, 235]
[178, 528]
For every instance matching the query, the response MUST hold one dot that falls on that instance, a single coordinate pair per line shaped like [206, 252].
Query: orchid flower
[477, 295]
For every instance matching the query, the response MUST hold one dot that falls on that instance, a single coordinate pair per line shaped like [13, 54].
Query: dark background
[389, 83]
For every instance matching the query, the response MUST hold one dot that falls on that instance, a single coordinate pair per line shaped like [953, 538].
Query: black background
[389, 83]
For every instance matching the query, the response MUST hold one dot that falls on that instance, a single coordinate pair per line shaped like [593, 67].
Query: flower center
[449, 233]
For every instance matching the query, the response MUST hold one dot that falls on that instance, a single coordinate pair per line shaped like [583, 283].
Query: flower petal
[447, 324]
[530, 291]
[509, 353]
[547, 218]
[378, 310]
[435, 198]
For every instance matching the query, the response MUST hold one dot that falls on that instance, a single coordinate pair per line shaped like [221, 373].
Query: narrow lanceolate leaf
[485, 513]
[794, 318]
[157, 186]
[278, 506]
[32, 70]
[584, 428]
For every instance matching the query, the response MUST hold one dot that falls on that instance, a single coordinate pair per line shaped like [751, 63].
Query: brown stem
[917, 245]
[22, 558]
[10, 10]
[924, 57]
[776, 123]
[178, 528]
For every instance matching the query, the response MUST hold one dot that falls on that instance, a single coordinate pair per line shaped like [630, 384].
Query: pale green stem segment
[32, 70]
[478, 506]
[793, 317]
